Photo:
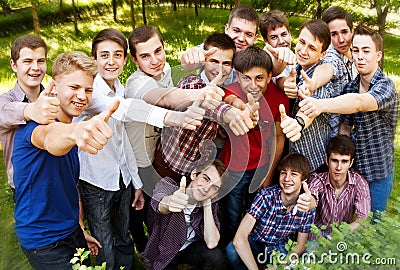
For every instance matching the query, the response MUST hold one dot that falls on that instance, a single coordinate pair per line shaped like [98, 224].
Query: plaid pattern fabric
[168, 233]
[316, 136]
[341, 76]
[182, 149]
[373, 132]
[274, 224]
[353, 203]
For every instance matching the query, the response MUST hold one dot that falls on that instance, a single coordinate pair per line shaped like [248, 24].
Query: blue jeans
[380, 192]
[257, 248]
[56, 256]
[238, 199]
[107, 213]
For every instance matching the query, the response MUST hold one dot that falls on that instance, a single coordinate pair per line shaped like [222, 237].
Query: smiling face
[74, 90]
[254, 81]
[220, 61]
[205, 185]
[279, 37]
[290, 181]
[242, 32]
[110, 59]
[338, 167]
[30, 68]
[308, 49]
[150, 57]
[341, 35]
[365, 55]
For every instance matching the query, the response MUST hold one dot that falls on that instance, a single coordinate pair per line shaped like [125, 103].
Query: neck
[31, 93]
[289, 200]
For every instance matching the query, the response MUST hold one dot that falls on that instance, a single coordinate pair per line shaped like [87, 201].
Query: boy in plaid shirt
[273, 217]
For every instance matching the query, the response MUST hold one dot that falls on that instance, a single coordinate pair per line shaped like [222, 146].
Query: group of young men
[88, 152]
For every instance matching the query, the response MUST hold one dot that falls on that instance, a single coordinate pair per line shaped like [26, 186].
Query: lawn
[180, 30]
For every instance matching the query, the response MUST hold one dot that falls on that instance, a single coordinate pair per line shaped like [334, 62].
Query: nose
[81, 94]
[153, 59]
[341, 38]
[110, 60]
[281, 40]
[241, 36]
[339, 166]
[35, 65]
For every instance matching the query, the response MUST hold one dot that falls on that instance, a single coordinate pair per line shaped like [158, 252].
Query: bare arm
[211, 232]
[241, 242]
[301, 243]
[58, 138]
[321, 76]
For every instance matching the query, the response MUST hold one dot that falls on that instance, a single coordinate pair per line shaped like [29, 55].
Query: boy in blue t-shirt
[46, 166]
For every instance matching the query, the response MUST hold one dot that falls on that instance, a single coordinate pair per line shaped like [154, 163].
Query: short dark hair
[320, 30]
[251, 57]
[341, 145]
[296, 162]
[363, 30]
[109, 34]
[245, 13]
[27, 41]
[220, 41]
[142, 34]
[272, 19]
[336, 12]
[221, 169]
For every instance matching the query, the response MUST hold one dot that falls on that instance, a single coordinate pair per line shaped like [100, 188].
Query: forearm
[211, 232]
[173, 98]
[322, 75]
[301, 243]
[235, 102]
[13, 114]
[349, 103]
[242, 247]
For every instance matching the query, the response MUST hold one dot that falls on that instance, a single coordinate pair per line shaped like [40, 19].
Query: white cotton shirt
[103, 169]
[143, 137]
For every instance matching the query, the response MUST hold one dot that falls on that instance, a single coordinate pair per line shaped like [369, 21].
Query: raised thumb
[282, 111]
[105, 115]
[305, 188]
[182, 185]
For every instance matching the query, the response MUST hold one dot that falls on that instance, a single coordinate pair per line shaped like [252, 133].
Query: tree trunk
[75, 11]
[35, 17]
[237, 3]
[132, 14]
[61, 11]
[144, 12]
[381, 22]
[318, 13]
[196, 10]
[114, 7]
[174, 4]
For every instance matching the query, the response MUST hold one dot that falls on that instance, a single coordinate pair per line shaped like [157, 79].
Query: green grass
[180, 30]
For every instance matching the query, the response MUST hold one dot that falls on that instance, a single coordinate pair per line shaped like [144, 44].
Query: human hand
[189, 119]
[92, 243]
[239, 121]
[92, 135]
[179, 199]
[45, 109]
[212, 94]
[304, 202]
[196, 55]
[252, 109]
[283, 55]
[289, 86]
[310, 106]
[289, 126]
[309, 85]
[138, 200]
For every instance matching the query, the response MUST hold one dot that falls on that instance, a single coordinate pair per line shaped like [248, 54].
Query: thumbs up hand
[306, 201]
[289, 86]
[309, 85]
[179, 199]
[289, 126]
[46, 108]
[92, 135]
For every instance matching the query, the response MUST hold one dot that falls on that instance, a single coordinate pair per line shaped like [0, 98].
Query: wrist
[301, 122]
[27, 112]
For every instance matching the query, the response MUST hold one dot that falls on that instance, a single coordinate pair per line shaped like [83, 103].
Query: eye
[249, 35]
[89, 91]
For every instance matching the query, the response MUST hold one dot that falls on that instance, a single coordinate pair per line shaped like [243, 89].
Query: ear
[13, 65]
[193, 174]
[226, 28]
[255, 39]
[269, 77]
[379, 56]
[133, 58]
[351, 162]
[126, 58]
[326, 161]
[322, 55]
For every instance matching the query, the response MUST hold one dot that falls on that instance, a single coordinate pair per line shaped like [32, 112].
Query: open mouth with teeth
[78, 104]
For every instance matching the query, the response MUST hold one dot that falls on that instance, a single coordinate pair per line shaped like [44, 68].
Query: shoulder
[233, 89]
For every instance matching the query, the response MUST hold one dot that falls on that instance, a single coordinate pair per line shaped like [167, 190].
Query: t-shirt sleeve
[385, 93]
[139, 87]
